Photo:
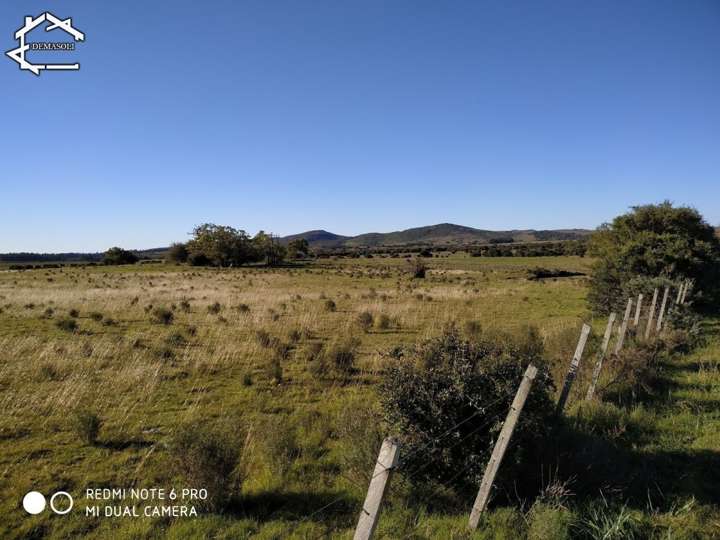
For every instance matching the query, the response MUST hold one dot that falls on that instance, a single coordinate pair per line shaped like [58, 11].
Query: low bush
[209, 455]
[365, 319]
[340, 355]
[448, 389]
[162, 315]
[86, 425]
[67, 324]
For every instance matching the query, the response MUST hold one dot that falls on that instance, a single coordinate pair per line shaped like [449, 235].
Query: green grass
[143, 382]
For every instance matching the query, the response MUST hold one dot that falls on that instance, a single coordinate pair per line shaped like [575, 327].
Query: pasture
[146, 349]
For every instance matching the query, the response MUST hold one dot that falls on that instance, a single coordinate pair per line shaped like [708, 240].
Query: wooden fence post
[574, 364]
[501, 446]
[662, 309]
[685, 291]
[601, 356]
[386, 461]
[623, 327]
[651, 315]
[679, 294]
[636, 321]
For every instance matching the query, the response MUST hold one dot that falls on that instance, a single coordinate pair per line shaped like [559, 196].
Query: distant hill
[434, 235]
[318, 238]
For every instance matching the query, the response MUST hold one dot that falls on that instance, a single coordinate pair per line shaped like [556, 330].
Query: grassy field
[242, 345]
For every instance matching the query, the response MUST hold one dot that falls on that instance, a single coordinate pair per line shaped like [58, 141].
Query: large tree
[220, 245]
[653, 241]
[116, 255]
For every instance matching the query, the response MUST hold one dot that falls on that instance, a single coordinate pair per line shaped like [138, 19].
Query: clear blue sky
[356, 116]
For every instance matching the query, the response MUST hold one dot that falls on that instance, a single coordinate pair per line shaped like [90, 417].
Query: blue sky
[356, 117]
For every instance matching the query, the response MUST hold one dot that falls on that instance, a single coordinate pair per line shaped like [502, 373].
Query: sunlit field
[147, 348]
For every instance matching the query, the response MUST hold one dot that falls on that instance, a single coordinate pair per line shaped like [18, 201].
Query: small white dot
[34, 502]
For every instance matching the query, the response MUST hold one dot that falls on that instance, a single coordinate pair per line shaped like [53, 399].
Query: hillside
[441, 234]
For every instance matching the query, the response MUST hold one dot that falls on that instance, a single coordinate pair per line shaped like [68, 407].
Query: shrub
[67, 324]
[275, 370]
[313, 350]
[96, 316]
[263, 338]
[86, 425]
[341, 355]
[48, 313]
[208, 454]
[365, 320]
[418, 268]
[162, 315]
[461, 390]
[549, 522]
[215, 308]
[185, 306]
[383, 322]
[176, 339]
[177, 253]
[330, 305]
[74, 313]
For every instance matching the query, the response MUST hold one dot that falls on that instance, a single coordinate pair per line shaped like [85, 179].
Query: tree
[653, 241]
[116, 255]
[269, 248]
[298, 248]
[220, 245]
[177, 253]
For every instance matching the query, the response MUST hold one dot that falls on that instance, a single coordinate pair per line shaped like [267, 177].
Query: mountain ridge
[438, 234]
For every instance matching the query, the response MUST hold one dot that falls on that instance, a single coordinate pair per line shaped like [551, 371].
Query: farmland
[146, 349]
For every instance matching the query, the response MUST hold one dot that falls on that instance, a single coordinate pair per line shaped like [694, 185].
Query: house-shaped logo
[18, 54]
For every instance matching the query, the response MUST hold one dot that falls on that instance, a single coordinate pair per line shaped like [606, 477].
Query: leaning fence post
[648, 328]
[662, 309]
[574, 364]
[622, 331]
[636, 321]
[601, 357]
[501, 446]
[685, 291]
[386, 461]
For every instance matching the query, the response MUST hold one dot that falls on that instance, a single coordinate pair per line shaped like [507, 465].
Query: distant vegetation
[118, 255]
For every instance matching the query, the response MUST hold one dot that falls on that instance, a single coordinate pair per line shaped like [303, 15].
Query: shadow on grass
[636, 477]
[331, 508]
[120, 444]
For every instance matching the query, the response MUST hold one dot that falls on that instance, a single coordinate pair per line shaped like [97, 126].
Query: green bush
[162, 315]
[447, 399]
[67, 324]
[365, 319]
[208, 455]
[340, 355]
[86, 425]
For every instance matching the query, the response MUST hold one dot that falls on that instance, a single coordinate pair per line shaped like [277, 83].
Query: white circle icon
[34, 502]
[52, 502]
